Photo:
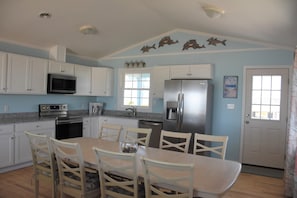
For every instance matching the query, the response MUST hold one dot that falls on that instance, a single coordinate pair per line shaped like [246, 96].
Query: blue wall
[227, 60]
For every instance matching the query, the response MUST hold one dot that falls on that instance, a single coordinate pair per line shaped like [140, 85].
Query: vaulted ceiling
[122, 23]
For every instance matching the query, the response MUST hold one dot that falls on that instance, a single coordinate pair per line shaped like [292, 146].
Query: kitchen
[227, 60]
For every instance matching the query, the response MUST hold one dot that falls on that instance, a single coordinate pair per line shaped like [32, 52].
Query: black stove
[67, 126]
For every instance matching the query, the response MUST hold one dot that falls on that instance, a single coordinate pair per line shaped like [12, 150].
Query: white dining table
[212, 177]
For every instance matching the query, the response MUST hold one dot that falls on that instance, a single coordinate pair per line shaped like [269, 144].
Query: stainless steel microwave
[61, 84]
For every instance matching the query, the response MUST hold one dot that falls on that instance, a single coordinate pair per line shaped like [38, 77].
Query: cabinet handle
[37, 126]
[189, 74]
[62, 71]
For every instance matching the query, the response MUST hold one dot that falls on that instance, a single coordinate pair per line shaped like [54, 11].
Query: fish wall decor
[192, 44]
[214, 41]
[166, 41]
[147, 48]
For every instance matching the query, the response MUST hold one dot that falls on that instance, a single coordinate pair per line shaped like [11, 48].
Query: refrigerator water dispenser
[171, 113]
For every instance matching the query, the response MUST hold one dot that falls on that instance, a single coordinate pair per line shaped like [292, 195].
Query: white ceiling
[122, 23]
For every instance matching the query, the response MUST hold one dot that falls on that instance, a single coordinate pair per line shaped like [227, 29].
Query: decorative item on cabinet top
[135, 64]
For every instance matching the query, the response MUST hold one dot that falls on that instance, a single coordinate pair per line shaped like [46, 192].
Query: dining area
[108, 167]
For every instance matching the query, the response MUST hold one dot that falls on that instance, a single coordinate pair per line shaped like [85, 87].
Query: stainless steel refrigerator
[188, 106]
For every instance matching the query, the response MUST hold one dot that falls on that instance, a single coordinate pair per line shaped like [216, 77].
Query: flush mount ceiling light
[212, 11]
[88, 29]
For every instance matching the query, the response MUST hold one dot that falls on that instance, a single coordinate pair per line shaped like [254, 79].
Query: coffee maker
[95, 108]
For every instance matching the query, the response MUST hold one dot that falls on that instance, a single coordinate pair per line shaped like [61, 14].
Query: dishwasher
[156, 131]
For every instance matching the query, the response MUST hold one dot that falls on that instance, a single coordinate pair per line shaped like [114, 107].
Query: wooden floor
[19, 184]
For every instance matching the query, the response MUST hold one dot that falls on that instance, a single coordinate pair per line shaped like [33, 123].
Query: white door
[266, 106]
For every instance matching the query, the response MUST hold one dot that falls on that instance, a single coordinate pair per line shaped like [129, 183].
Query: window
[266, 94]
[135, 89]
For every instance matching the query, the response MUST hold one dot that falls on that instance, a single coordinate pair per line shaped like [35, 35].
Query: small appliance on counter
[95, 108]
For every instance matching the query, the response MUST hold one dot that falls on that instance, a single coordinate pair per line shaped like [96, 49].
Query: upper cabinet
[26, 75]
[83, 80]
[159, 75]
[102, 81]
[203, 71]
[61, 68]
[3, 72]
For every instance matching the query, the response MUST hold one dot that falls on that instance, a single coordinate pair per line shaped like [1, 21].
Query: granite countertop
[11, 118]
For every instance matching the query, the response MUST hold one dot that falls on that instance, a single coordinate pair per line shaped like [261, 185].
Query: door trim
[244, 95]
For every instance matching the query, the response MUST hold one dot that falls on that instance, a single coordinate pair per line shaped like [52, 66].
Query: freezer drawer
[156, 131]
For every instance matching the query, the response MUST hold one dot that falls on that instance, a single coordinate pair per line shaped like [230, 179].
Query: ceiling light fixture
[213, 11]
[45, 15]
[88, 29]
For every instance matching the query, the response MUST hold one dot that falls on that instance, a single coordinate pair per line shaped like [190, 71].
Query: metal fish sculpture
[166, 41]
[215, 41]
[192, 44]
[147, 48]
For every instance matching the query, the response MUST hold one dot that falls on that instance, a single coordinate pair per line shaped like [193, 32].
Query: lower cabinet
[91, 127]
[125, 122]
[6, 145]
[86, 127]
[22, 152]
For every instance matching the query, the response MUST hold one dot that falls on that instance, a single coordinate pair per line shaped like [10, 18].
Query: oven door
[68, 128]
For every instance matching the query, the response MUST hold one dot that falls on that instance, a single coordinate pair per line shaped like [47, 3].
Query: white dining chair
[214, 144]
[110, 132]
[117, 173]
[171, 180]
[74, 179]
[138, 135]
[176, 141]
[44, 164]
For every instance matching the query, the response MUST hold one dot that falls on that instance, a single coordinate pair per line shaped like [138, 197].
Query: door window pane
[266, 94]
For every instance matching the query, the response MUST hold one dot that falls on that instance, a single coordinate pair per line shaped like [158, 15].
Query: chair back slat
[163, 179]
[210, 143]
[176, 141]
[118, 174]
[138, 135]
[110, 132]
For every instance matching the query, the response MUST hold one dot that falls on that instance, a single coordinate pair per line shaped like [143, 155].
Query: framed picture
[230, 86]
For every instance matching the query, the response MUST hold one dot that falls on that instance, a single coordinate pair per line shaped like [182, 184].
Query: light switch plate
[230, 106]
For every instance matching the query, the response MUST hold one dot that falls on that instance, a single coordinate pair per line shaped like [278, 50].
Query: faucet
[133, 110]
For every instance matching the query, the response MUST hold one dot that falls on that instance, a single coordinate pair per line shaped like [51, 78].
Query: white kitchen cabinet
[203, 71]
[95, 126]
[3, 72]
[6, 145]
[26, 75]
[87, 127]
[83, 80]
[102, 81]
[61, 68]
[22, 152]
[125, 122]
[159, 75]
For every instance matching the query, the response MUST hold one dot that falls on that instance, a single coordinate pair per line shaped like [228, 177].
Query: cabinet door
[159, 75]
[17, 74]
[22, 152]
[203, 71]
[3, 72]
[179, 71]
[102, 81]
[83, 80]
[61, 68]
[95, 127]
[38, 76]
[86, 127]
[6, 145]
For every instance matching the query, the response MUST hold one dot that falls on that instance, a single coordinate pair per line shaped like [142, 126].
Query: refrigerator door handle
[178, 112]
[181, 110]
